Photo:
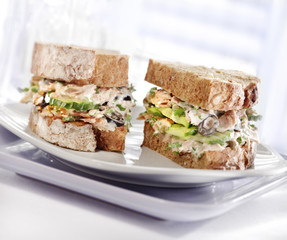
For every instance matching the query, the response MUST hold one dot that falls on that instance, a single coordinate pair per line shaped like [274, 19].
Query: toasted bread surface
[240, 158]
[104, 68]
[208, 88]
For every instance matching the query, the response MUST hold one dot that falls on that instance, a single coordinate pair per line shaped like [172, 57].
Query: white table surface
[30, 209]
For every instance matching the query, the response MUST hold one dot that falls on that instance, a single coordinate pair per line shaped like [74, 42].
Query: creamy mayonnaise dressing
[196, 148]
[114, 102]
[193, 114]
[234, 121]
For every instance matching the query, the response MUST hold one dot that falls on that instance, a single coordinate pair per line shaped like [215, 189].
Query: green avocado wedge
[192, 134]
[170, 113]
[155, 111]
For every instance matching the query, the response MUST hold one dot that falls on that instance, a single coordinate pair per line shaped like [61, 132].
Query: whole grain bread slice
[240, 158]
[208, 88]
[111, 140]
[104, 68]
[77, 135]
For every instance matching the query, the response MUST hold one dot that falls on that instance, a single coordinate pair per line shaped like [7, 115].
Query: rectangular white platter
[176, 204]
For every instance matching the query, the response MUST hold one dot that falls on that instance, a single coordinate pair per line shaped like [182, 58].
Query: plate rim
[279, 168]
[97, 189]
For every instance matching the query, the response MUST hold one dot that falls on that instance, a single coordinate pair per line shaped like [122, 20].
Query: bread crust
[208, 88]
[111, 140]
[240, 158]
[78, 65]
[79, 136]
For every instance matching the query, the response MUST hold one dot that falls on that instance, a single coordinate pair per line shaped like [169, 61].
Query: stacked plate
[153, 181]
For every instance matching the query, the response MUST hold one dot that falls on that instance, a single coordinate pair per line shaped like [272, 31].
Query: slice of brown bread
[77, 135]
[208, 88]
[240, 158]
[111, 140]
[104, 68]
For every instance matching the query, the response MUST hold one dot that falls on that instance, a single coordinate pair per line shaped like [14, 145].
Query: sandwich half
[80, 97]
[201, 117]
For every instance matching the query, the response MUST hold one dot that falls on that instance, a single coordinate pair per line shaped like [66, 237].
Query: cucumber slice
[191, 134]
[168, 112]
[68, 104]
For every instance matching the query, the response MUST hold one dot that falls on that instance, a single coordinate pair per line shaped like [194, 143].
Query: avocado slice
[168, 112]
[192, 134]
[180, 131]
[155, 111]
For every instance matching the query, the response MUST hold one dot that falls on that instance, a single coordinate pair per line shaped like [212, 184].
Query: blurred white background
[246, 35]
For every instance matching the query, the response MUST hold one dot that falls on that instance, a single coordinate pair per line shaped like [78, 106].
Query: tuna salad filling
[191, 129]
[105, 108]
